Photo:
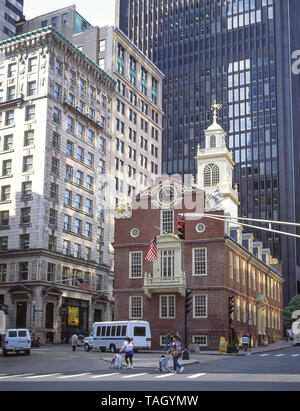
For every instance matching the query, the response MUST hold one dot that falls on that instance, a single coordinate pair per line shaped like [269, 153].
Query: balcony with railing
[161, 284]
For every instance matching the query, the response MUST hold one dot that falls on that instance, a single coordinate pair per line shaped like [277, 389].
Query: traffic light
[4, 308]
[187, 300]
[230, 304]
[181, 229]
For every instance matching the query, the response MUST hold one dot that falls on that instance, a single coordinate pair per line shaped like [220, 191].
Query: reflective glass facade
[235, 52]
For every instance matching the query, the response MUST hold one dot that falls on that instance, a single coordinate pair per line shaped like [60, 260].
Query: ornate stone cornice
[49, 37]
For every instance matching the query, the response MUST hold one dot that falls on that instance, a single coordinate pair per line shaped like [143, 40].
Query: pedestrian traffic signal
[187, 300]
[230, 304]
[4, 308]
[181, 229]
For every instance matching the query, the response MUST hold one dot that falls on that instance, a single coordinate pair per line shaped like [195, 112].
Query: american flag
[152, 251]
[84, 285]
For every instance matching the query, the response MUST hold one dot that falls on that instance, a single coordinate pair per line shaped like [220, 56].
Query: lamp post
[35, 317]
[249, 330]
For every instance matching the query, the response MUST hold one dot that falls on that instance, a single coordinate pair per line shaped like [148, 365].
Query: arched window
[215, 175]
[213, 141]
[211, 175]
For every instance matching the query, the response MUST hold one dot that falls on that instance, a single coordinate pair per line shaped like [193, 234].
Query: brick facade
[208, 320]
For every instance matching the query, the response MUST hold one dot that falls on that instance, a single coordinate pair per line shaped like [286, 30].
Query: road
[57, 368]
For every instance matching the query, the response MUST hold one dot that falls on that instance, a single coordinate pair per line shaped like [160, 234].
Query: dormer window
[213, 141]
[211, 175]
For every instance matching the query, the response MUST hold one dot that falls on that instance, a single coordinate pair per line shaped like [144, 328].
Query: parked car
[16, 340]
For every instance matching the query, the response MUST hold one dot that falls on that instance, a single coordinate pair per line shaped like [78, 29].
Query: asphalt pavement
[149, 359]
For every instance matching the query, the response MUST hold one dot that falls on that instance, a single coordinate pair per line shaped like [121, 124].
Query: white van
[16, 340]
[109, 335]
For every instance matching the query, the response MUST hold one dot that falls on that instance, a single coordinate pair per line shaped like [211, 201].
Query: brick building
[214, 260]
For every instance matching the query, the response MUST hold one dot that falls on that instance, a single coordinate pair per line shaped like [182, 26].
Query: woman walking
[176, 353]
[127, 347]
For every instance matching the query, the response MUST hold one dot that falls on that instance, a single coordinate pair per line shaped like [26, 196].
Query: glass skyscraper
[10, 13]
[239, 53]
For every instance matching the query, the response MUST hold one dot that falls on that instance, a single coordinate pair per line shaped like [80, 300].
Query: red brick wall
[216, 284]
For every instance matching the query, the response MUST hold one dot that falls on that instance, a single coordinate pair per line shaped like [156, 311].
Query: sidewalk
[149, 359]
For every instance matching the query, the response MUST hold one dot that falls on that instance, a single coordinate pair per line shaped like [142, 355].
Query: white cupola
[214, 170]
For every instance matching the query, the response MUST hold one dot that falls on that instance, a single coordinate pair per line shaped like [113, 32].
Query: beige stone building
[80, 132]
[55, 142]
[136, 112]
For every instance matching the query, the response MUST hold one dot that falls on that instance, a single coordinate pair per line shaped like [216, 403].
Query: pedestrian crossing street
[123, 375]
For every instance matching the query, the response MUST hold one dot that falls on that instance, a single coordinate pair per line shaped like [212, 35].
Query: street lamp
[34, 317]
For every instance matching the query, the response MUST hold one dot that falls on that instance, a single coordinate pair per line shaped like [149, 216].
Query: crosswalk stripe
[135, 375]
[74, 375]
[14, 376]
[105, 375]
[44, 376]
[279, 355]
[295, 355]
[165, 375]
[196, 375]
[264, 355]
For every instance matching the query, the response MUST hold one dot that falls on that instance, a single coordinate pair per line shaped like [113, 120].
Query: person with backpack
[169, 341]
[176, 354]
[127, 347]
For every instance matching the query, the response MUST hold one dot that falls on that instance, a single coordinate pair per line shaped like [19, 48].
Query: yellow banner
[73, 317]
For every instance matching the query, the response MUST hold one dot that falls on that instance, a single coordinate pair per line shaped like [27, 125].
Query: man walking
[74, 341]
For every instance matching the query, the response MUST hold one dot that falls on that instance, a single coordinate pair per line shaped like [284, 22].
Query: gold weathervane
[215, 107]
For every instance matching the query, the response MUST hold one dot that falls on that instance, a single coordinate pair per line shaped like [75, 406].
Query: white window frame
[169, 306]
[167, 263]
[243, 272]
[202, 261]
[238, 309]
[254, 278]
[244, 318]
[199, 305]
[167, 222]
[131, 254]
[203, 340]
[139, 307]
[237, 268]
[231, 265]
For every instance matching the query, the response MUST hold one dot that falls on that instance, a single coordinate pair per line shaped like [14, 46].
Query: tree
[294, 305]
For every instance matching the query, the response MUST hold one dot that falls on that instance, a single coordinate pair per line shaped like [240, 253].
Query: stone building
[136, 111]
[215, 260]
[55, 137]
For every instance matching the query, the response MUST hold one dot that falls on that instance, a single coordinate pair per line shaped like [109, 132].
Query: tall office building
[11, 11]
[239, 53]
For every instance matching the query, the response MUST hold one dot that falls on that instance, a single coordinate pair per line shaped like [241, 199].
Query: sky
[96, 12]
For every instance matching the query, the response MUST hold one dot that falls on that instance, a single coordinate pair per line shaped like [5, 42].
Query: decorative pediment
[53, 290]
[19, 289]
[101, 297]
